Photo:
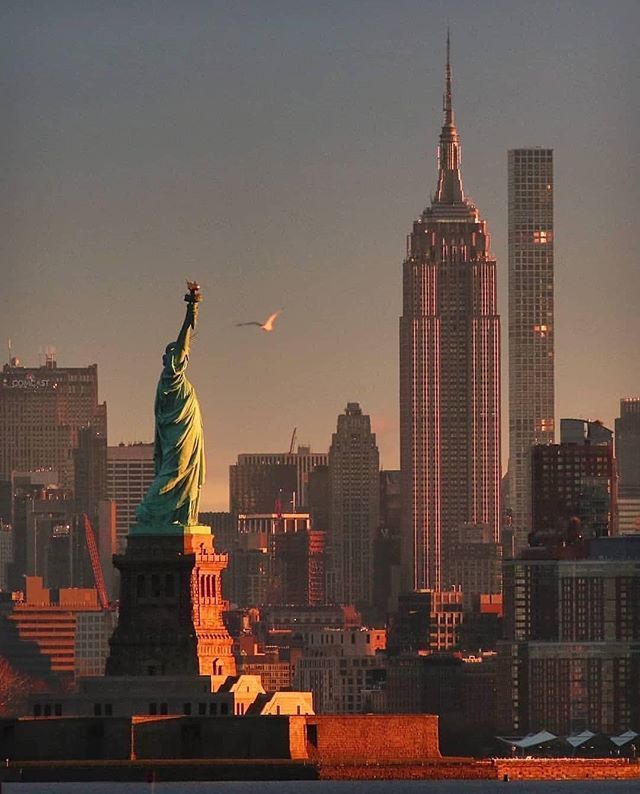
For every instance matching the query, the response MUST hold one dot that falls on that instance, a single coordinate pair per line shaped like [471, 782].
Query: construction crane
[96, 566]
[294, 435]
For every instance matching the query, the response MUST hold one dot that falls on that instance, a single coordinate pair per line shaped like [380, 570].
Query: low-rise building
[341, 668]
[274, 665]
[67, 637]
[202, 696]
[427, 621]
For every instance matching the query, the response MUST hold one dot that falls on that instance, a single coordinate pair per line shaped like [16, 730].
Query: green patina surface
[171, 503]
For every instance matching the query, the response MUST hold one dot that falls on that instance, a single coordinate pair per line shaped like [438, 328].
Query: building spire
[449, 190]
[447, 104]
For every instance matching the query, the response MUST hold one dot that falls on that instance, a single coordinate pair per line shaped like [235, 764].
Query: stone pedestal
[170, 619]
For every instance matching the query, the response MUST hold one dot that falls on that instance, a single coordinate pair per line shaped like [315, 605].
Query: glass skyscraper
[531, 323]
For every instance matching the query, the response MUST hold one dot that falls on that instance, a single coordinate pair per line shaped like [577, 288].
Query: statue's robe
[174, 495]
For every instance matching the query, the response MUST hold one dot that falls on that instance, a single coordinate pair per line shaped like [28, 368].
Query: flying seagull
[267, 325]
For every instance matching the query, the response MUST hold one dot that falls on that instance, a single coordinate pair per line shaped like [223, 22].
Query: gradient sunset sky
[278, 152]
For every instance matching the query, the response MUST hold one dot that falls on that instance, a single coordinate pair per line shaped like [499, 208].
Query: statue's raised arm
[183, 342]
[174, 495]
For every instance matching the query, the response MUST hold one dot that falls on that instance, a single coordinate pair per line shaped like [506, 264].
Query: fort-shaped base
[170, 617]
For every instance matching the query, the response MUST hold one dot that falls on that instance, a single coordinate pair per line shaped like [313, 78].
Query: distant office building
[272, 524]
[252, 578]
[249, 579]
[426, 621]
[90, 472]
[6, 501]
[449, 373]
[224, 527]
[482, 626]
[300, 566]
[24, 487]
[90, 465]
[257, 485]
[276, 558]
[66, 635]
[130, 472]
[49, 541]
[386, 547]
[93, 630]
[461, 690]
[340, 667]
[354, 487]
[570, 658]
[318, 497]
[107, 545]
[274, 664]
[301, 620]
[6, 553]
[628, 446]
[531, 322]
[629, 515]
[572, 480]
[260, 481]
[476, 563]
[41, 411]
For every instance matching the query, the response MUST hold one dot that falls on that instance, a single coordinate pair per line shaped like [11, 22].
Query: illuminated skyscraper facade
[449, 374]
[531, 326]
[41, 411]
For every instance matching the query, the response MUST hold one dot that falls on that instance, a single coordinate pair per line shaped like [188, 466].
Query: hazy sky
[278, 152]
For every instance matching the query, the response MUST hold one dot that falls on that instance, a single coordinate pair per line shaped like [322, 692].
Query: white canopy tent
[624, 738]
[530, 740]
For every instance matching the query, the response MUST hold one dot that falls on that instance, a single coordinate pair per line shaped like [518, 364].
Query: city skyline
[140, 143]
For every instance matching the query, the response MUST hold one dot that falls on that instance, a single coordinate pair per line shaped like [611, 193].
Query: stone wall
[224, 737]
[63, 738]
[372, 738]
[566, 769]
[334, 739]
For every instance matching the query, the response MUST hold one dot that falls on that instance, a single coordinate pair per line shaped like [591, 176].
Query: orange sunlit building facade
[66, 637]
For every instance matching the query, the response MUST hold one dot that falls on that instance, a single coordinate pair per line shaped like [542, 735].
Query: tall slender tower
[531, 332]
[449, 373]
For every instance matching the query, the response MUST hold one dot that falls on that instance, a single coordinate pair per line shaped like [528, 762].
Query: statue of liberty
[174, 494]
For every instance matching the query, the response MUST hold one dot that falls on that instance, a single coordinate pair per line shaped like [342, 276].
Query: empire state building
[449, 375]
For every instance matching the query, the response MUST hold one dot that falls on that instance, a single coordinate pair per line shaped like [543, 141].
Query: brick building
[575, 479]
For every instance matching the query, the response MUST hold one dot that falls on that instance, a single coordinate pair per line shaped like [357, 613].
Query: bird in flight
[267, 325]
